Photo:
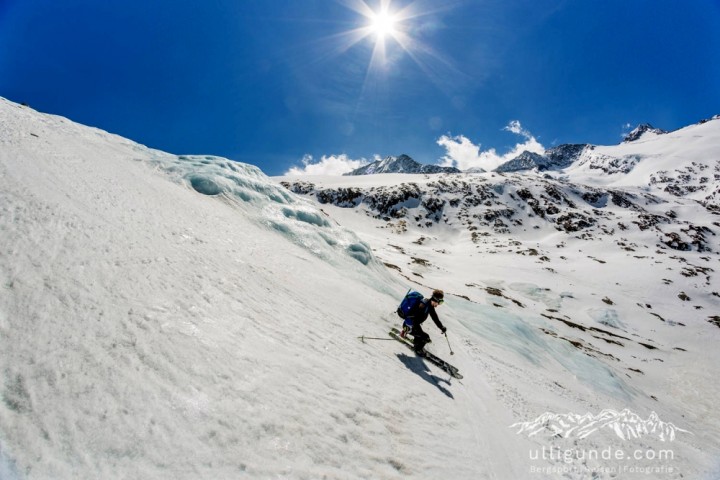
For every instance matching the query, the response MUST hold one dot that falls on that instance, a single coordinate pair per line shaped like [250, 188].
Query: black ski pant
[420, 338]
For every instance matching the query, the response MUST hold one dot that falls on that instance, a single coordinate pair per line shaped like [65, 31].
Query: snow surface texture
[186, 317]
[169, 316]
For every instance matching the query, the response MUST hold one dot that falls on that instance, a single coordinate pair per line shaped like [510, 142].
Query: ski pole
[451, 350]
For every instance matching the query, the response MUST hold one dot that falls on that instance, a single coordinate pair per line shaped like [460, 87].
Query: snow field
[152, 330]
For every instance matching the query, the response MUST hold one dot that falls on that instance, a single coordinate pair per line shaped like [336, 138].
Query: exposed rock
[401, 164]
[641, 130]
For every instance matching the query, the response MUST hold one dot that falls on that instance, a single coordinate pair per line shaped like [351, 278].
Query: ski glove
[443, 329]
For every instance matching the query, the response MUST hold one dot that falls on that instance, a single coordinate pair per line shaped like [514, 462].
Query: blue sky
[273, 82]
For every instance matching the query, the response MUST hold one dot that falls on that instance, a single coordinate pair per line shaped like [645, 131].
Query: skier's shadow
[417, 365]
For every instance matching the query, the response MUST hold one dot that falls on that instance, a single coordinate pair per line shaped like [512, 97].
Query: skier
[417, 315]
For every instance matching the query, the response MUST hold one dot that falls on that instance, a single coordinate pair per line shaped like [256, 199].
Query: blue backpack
[409, 302]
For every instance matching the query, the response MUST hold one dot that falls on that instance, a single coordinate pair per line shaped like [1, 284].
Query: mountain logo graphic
[625, 424]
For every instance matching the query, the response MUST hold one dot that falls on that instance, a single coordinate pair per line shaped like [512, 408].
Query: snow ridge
[556, 158]
[401, 164]
[641, 131]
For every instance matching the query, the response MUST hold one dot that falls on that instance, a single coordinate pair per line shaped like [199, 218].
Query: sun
[383, 23]
[389, 27]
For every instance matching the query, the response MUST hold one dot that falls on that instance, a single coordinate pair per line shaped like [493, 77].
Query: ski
[453, 371]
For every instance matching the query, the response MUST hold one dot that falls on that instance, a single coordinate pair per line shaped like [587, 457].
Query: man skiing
[418, 314]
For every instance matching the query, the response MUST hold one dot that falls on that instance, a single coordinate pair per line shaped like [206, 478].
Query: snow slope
[682, 163]
[151, 331]
[168, 316]
[619, 271]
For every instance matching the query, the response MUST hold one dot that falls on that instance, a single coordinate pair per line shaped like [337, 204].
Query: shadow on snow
[418, 366]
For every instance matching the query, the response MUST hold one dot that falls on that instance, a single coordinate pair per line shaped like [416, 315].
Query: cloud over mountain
[464, 154]
[327, 165]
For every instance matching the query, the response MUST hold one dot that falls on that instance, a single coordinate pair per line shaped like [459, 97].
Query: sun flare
[383, 23]
[389, 27]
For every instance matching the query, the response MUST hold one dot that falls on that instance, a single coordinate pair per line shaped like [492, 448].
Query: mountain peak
[641, 130]
[555, 158]
[400, 164]
[525, 161]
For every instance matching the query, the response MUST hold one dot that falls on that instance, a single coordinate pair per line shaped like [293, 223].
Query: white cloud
[328, 165]
[463, 154]
[515, 127]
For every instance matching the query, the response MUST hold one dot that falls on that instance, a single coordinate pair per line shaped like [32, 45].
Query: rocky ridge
[401, 164]
[641, 130]
[555, 158]
[508, 203]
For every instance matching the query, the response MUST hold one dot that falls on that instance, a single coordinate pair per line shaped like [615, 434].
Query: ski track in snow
[186, 317]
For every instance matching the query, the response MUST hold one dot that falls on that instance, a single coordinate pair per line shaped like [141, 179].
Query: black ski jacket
[420, 312]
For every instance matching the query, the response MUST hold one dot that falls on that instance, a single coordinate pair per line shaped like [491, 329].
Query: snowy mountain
[512, 204]
[166, 316]
[644, 130]
[555, 158]
[564, 156]
[524, 161]
[679, 164]
[401, 164]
